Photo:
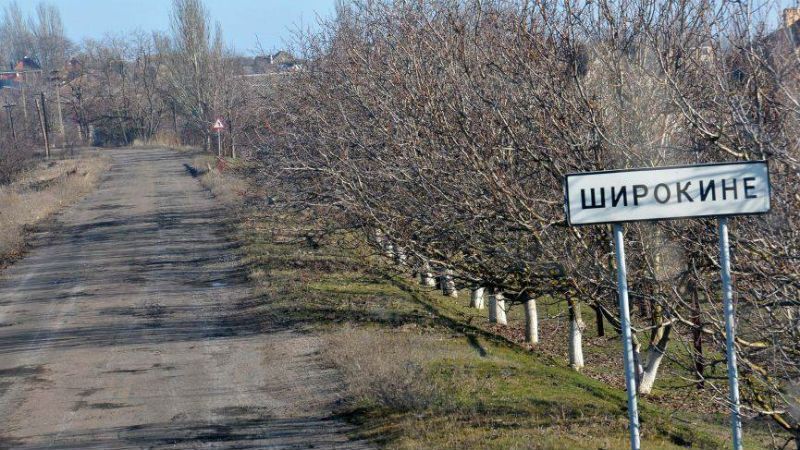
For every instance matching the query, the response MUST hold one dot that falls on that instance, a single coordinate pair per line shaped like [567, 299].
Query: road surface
[126, 326]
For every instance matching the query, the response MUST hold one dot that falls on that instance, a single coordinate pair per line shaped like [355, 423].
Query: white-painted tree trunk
[400, 255]
[476, 301]
[388, 249]
[648, 377]
[575, 345]
[379, 237]
[531, 322]
[497, 308]
[576, 327]
[426, 276]
[637, 363]
[655, 354]
[448, 284]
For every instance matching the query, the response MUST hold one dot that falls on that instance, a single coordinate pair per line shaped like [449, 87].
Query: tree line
[444, 129]
[164, 87]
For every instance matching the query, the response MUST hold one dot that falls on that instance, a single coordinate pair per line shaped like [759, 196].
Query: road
[127, 326]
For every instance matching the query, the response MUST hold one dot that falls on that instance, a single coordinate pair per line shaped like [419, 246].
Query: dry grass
[219, 177]
[163, 139]
[388, 367]
[12, 161]
[40, 192]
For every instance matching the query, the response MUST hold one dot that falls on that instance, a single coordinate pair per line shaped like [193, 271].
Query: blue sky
[272, 21]
[244, 22]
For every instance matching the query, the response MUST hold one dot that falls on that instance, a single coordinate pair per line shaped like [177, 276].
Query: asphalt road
[126, 326]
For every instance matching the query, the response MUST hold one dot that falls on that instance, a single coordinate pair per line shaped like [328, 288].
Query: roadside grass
[603, 354]
[218, 177]
[425, 371]
[39, 192]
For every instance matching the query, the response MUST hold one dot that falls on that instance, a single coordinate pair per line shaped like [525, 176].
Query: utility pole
[24, 100]
[8, 107]
[79, 114]
[57, 79]
[40, 109]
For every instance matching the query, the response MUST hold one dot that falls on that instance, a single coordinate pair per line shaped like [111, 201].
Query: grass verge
[39, 192]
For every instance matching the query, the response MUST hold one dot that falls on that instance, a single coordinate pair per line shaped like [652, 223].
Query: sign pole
[627, 341]
[727, 304]
[219, 144]
[656, 193]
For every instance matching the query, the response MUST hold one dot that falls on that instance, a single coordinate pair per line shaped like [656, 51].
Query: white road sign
[218, 125]
[667, 193]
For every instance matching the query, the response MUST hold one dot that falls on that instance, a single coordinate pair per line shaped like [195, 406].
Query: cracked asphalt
[126, 325]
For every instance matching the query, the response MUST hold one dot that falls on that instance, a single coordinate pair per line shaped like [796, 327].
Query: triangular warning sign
[218, 125]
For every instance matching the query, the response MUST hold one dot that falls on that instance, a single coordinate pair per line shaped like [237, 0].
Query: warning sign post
[218, 126]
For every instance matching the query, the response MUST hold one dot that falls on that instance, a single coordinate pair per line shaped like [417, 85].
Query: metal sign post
[627, 340]
[704, 190]
[730, 332]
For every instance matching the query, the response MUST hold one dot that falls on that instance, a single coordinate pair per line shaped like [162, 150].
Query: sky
[244, 23]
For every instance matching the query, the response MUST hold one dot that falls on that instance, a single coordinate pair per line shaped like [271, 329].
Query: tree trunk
[576, 326]
[697, 338]
[425, 276]
[645, 306]
[400, 256]
[531, 321]
[497, 308]
[477, 298]
[598, 319]
[378, 236]
[388, 249]
[448, 284]
[43, 124]
[655, 354]
[233, 139]
[175, 125]
[637, 361]
[648, 377]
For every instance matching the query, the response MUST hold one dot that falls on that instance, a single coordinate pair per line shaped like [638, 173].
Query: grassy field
[425, 371]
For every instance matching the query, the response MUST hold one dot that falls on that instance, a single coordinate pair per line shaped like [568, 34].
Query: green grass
[425, 372]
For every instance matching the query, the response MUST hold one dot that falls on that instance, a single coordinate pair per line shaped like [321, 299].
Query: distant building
[785, 40]
[7, 79]
[26, 64]
[281, 61]
[282, 57]
[26, 69]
